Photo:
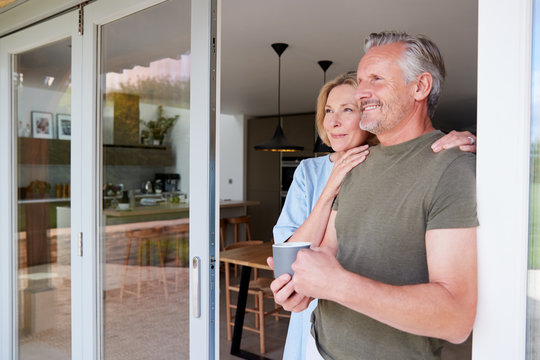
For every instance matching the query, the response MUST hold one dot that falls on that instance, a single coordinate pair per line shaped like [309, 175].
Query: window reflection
[42, 97]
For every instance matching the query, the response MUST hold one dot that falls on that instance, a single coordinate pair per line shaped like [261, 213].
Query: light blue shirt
[308, 183]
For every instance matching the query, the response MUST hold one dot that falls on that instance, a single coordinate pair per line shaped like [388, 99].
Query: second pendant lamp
[279, 142]
[320, 147]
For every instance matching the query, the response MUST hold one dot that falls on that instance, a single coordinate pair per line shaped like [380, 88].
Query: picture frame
[42, 124]
[63, 124]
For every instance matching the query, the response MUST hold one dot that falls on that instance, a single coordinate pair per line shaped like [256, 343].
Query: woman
[317, 181]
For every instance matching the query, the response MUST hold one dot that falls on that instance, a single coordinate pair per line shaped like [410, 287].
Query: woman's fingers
[465, 140]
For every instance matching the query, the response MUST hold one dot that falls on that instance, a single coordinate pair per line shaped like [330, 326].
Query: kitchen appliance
[170, 181]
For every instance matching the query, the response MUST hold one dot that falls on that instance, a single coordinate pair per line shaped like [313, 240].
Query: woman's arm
[313, 229]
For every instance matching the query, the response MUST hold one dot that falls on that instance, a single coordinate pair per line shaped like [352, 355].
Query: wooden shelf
[143, 155]
[57, 152]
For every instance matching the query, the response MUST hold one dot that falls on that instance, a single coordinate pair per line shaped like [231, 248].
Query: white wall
[232, 130]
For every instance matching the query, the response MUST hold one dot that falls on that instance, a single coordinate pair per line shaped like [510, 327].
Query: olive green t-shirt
[385, 206]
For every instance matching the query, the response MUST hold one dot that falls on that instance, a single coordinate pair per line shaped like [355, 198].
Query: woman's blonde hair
[343, 79]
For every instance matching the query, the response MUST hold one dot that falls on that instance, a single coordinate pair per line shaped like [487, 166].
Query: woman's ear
[423, 86]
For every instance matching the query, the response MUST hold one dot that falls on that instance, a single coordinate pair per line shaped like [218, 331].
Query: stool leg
[139, 278]
[176, 270]
[163, 277]
[261, 321]
[147, 259]
[126, 262]
[248, 232]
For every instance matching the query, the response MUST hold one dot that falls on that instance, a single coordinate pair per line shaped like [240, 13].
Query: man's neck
[407, 129]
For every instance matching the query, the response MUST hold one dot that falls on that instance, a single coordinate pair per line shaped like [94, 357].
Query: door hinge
[80, 244]
[81, 17]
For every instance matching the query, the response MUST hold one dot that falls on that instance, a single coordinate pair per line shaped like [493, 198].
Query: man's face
[383, 97]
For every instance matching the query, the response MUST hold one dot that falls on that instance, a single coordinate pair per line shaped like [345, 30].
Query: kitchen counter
[167, 211]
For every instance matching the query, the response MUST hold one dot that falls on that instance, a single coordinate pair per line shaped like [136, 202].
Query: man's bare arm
[443, 308]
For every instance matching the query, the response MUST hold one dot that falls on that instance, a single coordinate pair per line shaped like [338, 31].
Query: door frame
[504, 76]
[61, 27]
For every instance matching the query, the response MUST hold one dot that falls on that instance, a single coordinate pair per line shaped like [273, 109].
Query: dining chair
[259, 287]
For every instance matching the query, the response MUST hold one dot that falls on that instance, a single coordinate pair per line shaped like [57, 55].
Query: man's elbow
[462, 329]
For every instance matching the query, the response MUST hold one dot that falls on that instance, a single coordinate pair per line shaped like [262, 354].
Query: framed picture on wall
[63, 124]
[42, 124]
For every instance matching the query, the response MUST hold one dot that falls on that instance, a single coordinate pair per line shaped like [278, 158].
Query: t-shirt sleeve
[453, 204]
[296, 208]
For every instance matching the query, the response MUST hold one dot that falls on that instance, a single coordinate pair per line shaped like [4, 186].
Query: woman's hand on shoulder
[464, 139]
[349, 160]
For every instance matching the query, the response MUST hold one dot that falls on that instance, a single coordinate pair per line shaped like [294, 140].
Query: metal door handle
[196, 287]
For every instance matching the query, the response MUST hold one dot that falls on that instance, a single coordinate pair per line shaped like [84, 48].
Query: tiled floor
[153, 328]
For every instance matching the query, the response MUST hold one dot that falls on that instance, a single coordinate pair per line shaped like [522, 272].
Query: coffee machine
[170, 181]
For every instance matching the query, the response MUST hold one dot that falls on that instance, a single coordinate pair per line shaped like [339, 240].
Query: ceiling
[334, 30]
[315, 30]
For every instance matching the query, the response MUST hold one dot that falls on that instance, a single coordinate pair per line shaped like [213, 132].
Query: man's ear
[423, 86]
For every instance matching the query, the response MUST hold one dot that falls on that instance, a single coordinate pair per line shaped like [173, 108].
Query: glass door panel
[41, 93]
[144, 119]
[533, 294]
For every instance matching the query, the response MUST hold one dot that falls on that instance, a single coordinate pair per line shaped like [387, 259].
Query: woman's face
[342, 118]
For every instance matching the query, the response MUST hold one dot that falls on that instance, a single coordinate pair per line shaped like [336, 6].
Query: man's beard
[385, 120]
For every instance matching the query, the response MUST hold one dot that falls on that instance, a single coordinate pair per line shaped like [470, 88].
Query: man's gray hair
[420, 55]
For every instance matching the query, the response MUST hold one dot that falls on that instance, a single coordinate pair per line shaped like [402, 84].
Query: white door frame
[504, 101]
[61, 27]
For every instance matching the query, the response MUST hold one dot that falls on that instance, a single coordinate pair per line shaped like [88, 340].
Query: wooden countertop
[172, 208]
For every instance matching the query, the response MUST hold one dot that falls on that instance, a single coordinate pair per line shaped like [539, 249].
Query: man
[396, 271]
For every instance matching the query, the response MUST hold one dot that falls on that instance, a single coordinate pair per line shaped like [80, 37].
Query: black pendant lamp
[320, 147]
[279, 142]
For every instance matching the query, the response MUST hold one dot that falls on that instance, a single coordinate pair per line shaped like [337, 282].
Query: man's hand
[315, 272]
[284, 294]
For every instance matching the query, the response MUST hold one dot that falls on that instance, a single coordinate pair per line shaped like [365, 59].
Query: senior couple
[392, 226]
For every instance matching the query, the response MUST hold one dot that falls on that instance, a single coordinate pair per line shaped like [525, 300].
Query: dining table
[248, 257]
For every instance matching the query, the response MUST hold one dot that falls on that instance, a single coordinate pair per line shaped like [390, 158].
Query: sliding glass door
[108, 238]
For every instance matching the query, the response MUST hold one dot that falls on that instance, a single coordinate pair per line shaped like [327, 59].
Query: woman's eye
[327, 111]
[349, 110]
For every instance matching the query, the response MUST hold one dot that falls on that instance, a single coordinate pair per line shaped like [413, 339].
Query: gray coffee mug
[285, 255]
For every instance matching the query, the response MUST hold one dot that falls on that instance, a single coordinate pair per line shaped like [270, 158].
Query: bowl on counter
[123, 206]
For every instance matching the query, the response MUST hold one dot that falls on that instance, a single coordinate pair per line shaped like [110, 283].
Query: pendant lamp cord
[279, 90]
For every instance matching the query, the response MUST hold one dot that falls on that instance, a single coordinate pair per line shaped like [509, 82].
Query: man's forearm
[424, 309]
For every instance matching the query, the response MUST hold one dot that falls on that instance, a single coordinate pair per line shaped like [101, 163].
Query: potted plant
[159, 127]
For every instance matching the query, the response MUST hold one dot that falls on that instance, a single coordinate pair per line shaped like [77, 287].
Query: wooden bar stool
[222, 231]
[143, 238]
[181, 234]
[236, 222]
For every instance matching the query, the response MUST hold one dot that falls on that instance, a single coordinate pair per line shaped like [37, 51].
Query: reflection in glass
[533, 293]
[145, 176]
[42, 98]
